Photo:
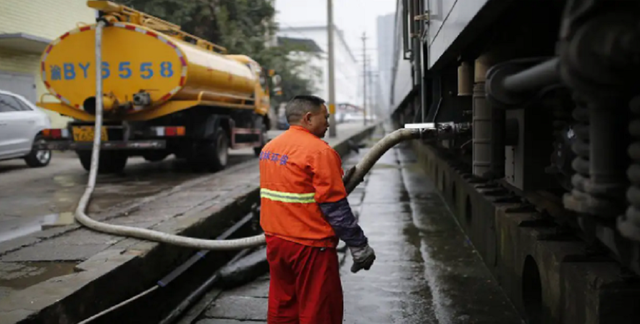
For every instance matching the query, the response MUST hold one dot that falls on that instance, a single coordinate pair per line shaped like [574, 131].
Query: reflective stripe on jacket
[298, 173]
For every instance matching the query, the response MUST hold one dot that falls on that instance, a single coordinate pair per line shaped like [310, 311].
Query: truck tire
[212, 154]
[109, 162]
[38, 158]
[155, 156]
[263, 142]
[220, 151]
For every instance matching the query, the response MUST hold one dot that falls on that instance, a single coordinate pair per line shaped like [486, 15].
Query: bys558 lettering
[144, 70]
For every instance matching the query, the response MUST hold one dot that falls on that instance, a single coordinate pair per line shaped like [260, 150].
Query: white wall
[47, 19]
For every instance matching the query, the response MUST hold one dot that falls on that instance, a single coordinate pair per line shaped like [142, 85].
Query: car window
[9, 104]
[23, 104]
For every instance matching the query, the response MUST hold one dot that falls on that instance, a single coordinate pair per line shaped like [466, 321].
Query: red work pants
[305, 284]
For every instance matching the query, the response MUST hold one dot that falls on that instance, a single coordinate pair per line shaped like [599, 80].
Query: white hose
[382, 146]
[203, 244]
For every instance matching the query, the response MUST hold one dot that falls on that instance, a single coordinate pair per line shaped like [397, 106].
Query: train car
[537, 111]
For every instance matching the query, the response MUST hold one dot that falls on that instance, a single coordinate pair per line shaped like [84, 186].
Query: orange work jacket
[298, 171]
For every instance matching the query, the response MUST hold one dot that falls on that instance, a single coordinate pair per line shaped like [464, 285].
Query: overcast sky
[353, 17]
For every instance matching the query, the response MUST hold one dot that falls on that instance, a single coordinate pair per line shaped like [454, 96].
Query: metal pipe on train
[533, 78]
[513, 82]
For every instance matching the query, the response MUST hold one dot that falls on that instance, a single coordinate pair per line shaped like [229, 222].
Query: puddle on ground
[23, 275]
[17, 227]
[66, 181]
[62, 220]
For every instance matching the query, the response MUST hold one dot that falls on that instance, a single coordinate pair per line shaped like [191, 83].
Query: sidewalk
[425, 271]
[47, 274]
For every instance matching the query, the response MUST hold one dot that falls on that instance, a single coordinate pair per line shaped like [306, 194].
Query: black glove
[363, 258]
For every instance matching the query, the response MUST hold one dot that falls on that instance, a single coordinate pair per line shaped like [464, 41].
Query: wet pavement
[426, 270]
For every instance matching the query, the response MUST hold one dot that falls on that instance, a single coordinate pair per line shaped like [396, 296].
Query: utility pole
[372, 94]
[364, 77]
[332, 94]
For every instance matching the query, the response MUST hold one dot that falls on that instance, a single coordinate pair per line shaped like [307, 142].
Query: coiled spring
[629, 224]
[581, 148]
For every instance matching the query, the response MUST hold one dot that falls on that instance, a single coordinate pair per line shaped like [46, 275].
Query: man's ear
[307, 117]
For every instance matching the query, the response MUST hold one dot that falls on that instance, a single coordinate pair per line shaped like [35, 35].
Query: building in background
[26, 28]
[347, 72]
[385, 38]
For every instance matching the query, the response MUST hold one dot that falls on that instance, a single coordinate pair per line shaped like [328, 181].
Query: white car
[21, 125]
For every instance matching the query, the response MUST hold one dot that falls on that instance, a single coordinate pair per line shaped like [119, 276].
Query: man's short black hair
[300, 105]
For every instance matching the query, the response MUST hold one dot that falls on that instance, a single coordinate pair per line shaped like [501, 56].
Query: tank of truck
[135, 59]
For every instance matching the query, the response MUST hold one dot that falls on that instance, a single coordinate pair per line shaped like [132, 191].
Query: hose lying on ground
[352, 179]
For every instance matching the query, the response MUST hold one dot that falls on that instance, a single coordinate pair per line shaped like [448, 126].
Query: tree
[241, 26]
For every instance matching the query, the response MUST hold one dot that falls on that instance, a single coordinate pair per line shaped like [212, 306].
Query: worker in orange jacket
[304, 212]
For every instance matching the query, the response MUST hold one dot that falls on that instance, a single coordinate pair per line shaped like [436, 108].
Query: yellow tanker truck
[164, 92]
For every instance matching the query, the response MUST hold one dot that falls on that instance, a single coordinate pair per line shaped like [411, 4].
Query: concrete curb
[120, 273]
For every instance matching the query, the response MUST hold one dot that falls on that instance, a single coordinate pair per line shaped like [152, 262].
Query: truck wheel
[155, 156]
[212, 154]
[38, 158]
[109, 162]
[219, 151]
[263, 142]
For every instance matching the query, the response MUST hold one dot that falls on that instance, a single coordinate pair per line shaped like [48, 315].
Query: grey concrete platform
[50, 275]
[426, 270]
